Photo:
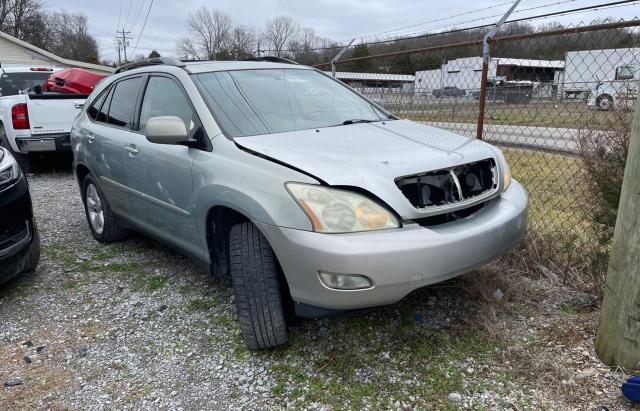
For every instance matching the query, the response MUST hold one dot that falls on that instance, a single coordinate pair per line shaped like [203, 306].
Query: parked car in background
[307, 194]
[72, 81]
[19, 238]
[449, 92]
[32, 120]
[619, 92]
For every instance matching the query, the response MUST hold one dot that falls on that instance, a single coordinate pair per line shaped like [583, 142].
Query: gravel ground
[137, 326]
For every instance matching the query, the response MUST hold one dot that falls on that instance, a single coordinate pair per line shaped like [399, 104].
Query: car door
[160, 174]
[107, 133]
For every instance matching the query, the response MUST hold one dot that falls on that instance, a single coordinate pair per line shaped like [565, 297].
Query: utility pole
[122, 41]
[618, 339]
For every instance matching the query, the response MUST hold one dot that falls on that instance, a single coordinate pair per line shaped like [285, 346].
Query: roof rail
[272, 59]
[153, 61]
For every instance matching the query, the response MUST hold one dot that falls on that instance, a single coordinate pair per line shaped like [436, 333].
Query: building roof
[53, 57]
[556, 64]
[345, 75]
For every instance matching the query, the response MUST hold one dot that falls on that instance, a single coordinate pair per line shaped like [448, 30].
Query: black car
[19, 238]
[449, 92]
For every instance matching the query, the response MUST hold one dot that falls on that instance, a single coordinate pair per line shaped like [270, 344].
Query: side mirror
[166, 130]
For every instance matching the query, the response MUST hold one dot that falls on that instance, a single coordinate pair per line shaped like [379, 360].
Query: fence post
[334, 61]
[618, 335]
[482, 98]
[485, 67]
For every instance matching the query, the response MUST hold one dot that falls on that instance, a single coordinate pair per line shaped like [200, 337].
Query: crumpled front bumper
[397, 261]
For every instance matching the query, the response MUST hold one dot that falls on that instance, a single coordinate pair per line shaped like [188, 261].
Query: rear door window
[123, 102]
[94, 110]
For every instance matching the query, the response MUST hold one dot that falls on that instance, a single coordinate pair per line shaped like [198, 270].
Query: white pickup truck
[620, 92]
[33, 121]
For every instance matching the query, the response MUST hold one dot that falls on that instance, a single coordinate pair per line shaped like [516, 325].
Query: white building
[15, 52]
[376, 83]
[466, 73]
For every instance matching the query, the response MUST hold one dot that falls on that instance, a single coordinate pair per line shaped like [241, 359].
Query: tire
[21, 159]
[33, 255]
[102, 222]
[605, 102]
[256, 280]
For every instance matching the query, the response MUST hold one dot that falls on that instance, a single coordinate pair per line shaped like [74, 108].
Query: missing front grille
[476, 178]
[443, 187]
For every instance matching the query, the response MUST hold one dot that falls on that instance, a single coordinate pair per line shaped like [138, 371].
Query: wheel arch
[219, 221]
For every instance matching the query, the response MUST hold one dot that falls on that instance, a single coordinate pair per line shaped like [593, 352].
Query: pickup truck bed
[32, 121]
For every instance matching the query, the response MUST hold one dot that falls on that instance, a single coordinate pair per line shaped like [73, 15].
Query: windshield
[253, 102]
[12, 83]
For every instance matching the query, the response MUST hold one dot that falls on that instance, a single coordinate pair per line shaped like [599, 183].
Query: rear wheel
[257, 287]
[102, 222]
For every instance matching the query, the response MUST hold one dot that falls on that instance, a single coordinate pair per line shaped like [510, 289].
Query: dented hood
[370, 155]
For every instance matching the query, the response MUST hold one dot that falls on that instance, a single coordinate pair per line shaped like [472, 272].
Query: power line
[136, 14]
[602, 6]
[119, 15]
[143, 26]
[491, 17]
[128, 14]
[434, 20]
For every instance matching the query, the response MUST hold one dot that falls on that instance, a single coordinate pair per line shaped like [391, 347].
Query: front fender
[250, 185]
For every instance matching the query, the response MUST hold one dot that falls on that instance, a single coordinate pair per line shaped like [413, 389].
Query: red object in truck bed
[72, 81]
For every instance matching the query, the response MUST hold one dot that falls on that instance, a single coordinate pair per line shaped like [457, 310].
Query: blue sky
[335, 19]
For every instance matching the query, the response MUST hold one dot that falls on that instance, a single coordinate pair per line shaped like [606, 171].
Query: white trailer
[585, 69]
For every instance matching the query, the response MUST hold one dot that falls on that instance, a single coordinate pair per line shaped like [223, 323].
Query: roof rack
[272, 59]
[153, 61]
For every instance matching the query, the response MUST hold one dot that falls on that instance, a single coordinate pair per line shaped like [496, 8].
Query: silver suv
[313, 198]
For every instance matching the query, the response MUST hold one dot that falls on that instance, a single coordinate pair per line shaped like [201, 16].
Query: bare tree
[278, 32]
[69, 37]
[188, 50]
[242, 43]
[6, 7]
[209, 29]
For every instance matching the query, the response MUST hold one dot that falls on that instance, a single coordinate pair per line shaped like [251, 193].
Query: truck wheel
[257, 288]
[605, 103]
[103, 224]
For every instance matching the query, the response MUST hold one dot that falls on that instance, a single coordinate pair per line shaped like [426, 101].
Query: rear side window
[104, 109]
[12, 84]
[97, 104]
[123, 102]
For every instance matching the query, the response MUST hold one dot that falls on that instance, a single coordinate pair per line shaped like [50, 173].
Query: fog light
[344, 281]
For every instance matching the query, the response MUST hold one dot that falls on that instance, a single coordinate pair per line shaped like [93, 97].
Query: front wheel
[257, 288]
[605, 103]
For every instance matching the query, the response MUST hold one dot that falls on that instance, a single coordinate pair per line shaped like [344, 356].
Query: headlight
[9, 169]
[333, 210]
[505, 170]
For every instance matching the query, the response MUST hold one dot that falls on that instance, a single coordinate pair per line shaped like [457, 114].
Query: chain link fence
[556, 100]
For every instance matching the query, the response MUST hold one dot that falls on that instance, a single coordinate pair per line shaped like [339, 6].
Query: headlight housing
[333, 210]
[9, 168]
[505, 170]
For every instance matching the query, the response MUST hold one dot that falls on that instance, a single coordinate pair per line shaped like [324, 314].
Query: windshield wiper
[357, 120]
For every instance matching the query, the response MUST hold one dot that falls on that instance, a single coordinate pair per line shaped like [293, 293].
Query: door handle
[90, 138]
[132, 150]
